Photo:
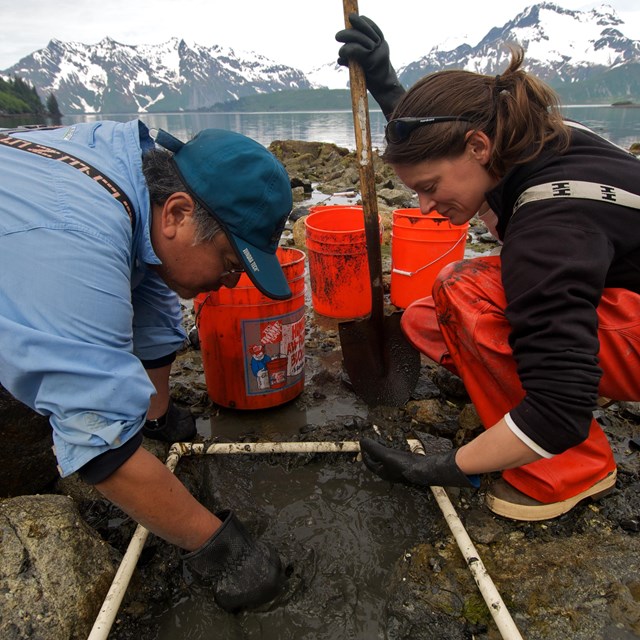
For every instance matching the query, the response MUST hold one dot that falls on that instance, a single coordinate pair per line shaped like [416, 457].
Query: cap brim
[263, 269]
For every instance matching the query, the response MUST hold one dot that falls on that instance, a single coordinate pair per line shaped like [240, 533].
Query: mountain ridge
[583, 55]
[562, 47]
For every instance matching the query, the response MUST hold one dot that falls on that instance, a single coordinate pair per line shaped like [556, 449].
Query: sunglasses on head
[400, 129]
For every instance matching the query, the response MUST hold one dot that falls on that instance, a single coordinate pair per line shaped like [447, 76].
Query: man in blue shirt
[100, 231]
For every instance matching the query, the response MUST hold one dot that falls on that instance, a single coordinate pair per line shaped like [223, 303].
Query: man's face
[188, 268]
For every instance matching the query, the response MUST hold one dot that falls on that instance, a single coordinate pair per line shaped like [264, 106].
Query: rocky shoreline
[574, 577]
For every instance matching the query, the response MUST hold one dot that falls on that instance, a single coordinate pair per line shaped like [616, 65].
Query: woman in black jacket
[539, 332]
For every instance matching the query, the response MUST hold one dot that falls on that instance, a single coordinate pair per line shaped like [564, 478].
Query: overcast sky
[299, 33]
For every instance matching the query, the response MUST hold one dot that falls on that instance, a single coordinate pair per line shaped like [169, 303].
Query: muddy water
[340, 531]
[277, 423]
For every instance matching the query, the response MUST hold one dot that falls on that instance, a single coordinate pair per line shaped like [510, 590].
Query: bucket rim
[357, 230]
[459, 228]
[415, 212]
[401, 220]
[297, 289]
[293, 250]
[324, 213]
[315, 208]
[298, 256]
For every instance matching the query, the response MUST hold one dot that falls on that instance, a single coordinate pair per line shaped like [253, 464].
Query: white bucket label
[274, 352]
[262, 378]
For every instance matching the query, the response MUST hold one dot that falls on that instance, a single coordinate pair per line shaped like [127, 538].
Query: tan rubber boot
[505, 500]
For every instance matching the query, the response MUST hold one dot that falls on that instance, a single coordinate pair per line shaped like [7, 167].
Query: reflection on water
[278, 423]
[620, 125]
[320, 126]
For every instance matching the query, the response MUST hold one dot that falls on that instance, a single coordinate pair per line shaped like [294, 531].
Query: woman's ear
[177, 210]
[479, 146]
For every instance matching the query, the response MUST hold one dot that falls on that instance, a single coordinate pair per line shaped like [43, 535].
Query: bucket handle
[429, 264]
[196, 319]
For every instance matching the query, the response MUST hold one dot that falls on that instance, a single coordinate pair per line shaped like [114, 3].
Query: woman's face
[454, 187]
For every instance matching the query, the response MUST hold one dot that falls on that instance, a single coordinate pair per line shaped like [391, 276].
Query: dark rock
[354, 422]
[450, 384]
[632, 524]
[55, 570]
[306, 185]
[298, 212]
[27, 463]
[631, 408]
[425, 390]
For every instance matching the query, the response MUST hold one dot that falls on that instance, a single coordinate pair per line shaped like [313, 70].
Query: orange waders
[463, 327]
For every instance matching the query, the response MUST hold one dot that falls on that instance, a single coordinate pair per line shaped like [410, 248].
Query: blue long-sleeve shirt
[79, 305]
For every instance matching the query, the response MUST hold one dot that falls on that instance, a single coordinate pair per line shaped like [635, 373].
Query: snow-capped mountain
[329, 76]
[582, 54]
[111, 77]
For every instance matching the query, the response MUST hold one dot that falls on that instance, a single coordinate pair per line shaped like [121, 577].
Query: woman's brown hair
[518, 112]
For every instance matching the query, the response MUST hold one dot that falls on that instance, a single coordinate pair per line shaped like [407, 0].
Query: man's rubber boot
[244, 572]
[176, 425]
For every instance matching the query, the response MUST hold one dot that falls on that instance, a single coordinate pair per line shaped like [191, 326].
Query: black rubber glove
[439, 469]
[176, 425]
[364, 43]
[243, 572]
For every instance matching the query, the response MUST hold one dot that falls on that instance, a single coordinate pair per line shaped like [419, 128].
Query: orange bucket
[421, 245]
[252, 346]
[338, 265]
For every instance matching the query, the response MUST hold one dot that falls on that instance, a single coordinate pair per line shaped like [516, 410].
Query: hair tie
[499, 88]
[496, 93]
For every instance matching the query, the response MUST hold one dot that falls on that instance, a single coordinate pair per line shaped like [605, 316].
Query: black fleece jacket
[557, 257]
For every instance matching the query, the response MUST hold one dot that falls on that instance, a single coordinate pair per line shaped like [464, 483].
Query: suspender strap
[76, 163]
[578, 189]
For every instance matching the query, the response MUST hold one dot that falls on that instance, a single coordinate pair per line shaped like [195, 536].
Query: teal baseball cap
[247, 190]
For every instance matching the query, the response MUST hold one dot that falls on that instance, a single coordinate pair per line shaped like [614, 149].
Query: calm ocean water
[620, 125]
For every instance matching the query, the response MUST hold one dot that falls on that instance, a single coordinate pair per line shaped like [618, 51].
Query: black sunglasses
[400, 129]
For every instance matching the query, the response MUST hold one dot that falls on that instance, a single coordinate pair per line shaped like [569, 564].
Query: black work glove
[439, 469]
[176, 425]
[243, 572]
[365, 44]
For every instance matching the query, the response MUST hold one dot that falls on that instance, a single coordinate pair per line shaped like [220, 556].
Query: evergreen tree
[52, 106]
[17, 96]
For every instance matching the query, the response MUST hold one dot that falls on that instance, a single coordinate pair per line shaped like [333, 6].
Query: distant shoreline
[625, 104]
[268, 112]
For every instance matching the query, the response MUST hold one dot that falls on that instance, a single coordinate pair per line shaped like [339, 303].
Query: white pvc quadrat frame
[492, 598]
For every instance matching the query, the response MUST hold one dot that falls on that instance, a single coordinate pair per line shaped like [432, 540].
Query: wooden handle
[362, 128]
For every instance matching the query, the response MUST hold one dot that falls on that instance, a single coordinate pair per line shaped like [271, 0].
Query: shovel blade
[382, 365]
